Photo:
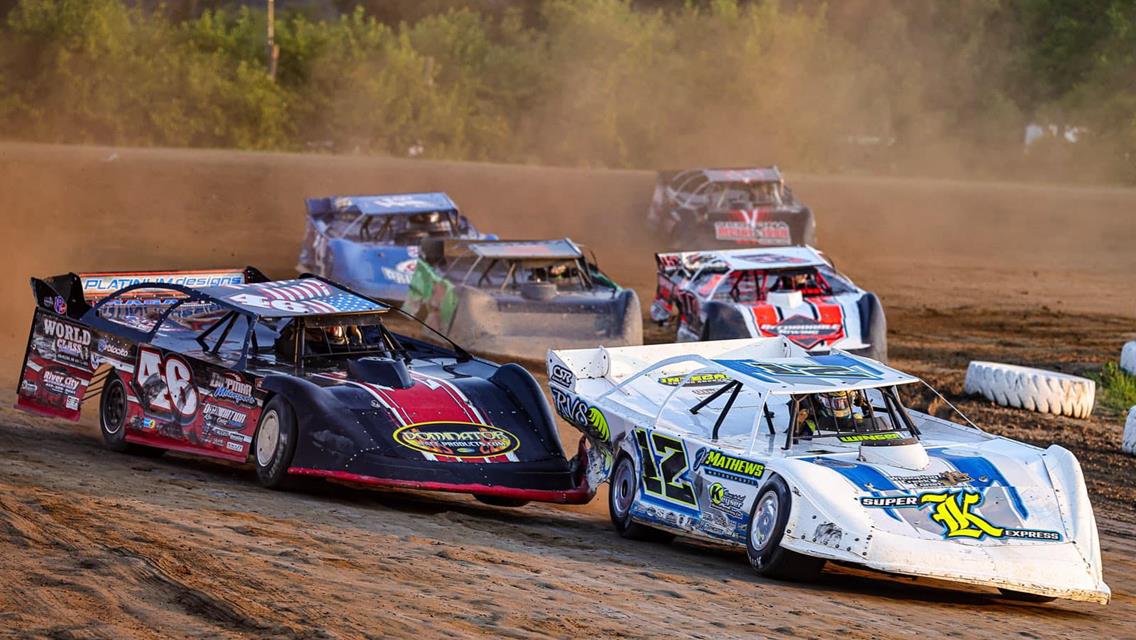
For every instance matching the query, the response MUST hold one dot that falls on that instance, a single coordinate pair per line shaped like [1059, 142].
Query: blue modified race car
[370, 243]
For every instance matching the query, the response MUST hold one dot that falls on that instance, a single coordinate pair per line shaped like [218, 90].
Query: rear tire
[114, 405]
[275, 443]
[624, 485]
[767, 522]
[500, 501]
[876, 336]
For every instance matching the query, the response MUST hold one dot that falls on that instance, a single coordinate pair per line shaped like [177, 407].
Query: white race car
[804, 459]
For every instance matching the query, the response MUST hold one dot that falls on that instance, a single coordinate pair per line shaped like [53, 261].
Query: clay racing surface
[95, 544]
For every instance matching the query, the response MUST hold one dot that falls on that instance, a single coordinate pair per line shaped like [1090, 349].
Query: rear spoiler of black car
[72, 294]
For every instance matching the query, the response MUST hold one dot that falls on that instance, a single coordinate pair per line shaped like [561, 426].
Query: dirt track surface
[94, 544]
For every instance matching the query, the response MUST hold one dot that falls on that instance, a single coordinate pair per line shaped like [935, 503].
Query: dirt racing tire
[1129, 443]
[767, 522]
[624, 485]
[275, 443]
[1038, 390]
[875, 330]
[1021, 596]
[114, 404]
[808, 229]
[499, 501]
[1128, 358]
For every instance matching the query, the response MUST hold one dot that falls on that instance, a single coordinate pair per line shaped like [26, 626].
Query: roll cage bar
[364, 221]
[760, 278]
[583, 270]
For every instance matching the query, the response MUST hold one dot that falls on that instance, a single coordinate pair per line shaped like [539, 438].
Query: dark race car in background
[729, 208]
[304, 377]
[793, 292]
[520, 298]
[370, 243]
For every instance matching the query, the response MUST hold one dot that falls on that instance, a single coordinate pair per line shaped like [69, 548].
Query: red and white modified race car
[794, 292]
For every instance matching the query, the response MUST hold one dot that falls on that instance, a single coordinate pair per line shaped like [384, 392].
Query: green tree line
[926, 86]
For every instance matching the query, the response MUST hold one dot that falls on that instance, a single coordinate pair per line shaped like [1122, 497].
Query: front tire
[275, 443]
[767, 522]
[624, 485]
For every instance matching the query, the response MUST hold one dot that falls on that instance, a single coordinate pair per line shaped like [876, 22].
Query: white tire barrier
[1129, 445]
[1035, 389]
[1128, 357]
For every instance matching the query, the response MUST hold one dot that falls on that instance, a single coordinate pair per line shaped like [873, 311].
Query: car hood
[465, 419]
[968, 493]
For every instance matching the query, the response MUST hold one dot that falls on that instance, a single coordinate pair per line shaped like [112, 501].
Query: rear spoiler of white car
[616, 364]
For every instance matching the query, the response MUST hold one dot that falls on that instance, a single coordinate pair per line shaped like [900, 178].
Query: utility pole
[273, 50]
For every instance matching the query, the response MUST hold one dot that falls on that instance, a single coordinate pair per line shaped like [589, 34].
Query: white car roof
[754, 258]
[769, 365]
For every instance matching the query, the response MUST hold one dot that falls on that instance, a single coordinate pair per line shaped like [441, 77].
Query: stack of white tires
[1129, 445]
[1010, 385]
[1128, 358]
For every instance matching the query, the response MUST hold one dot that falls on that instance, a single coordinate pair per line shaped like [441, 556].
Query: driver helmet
[336, 336]
[428, 222]
[837, 406]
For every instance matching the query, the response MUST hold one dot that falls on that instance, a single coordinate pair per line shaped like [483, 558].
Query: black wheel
[763, 539]
[1022, 596]
[113, 407]
[500, 501]
[809, 234]
[619, 500]
[274, 443]
[876, 335]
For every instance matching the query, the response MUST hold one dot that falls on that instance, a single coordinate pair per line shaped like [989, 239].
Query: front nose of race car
[468, 435]
[1038, 537]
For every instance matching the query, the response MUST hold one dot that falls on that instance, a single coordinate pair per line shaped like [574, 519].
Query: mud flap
[57, 371]
[596, 460]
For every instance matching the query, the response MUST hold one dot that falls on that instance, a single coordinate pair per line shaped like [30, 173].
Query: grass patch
[1116, 388]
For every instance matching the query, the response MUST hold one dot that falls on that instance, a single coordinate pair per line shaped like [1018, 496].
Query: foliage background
[933, 87]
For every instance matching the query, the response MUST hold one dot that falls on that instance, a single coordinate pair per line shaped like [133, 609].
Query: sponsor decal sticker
[60, 305]
[770, 233]
[945, 479]
[726, 500]
[72, 343]
[803, 331]
[696, 380]
[724, 465]
[591, 419]
[230, 386]
[562, 376]
[874, 437]
[57, 380]
[457, 439]
[955, 512]
[224, 417]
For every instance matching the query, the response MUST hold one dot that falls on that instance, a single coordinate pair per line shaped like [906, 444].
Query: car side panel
[175, 401]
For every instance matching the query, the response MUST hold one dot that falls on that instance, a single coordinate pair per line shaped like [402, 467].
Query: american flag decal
[299, 297]
[295, 290]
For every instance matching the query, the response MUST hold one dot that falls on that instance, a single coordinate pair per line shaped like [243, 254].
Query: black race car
[740, 207]
[303, 377]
